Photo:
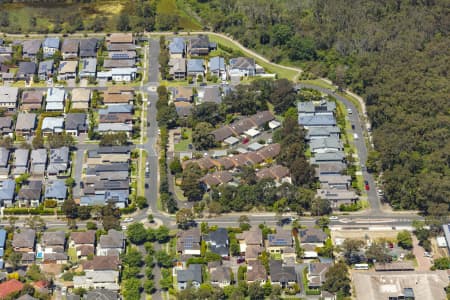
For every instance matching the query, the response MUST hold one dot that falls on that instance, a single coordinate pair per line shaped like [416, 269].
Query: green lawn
[184, 143]
[72, 253]
[319, 82]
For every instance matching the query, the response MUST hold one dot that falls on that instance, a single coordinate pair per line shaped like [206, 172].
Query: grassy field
[170, 7]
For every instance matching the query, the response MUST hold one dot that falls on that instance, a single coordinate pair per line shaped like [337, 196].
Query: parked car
[333, 218]
[240, 260]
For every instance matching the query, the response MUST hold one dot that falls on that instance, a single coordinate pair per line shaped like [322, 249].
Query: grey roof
[26, 297]
[56, 189]
[218, 241]
[21, 157]
[39, 156]
[200, 41]
[51, 42]
[70, 45]
[76, 121]
[88, 65]
[316, 120]
[220, 274]
[8, 94]
[117, 108]
[114, 239]
[59, 160]
[88, 47]
[328, 156]
[212, 94]
[26, 68]
[282, 238]
[46, 67]
[111, 127]
[192, 273]
[322, 131]
[118, 63]
[312, 235]
[56, 238]
[31, 47]
[31, 191]
[280, 273]
[108, 196]
[242, 63]
[24, 239]
[101, 294]
[195, 65]
[329, 142]
[4, 157]
[216, 64]
[177, 45]
[320, 107]
[7, 190]
[337, 195]
[178, 65]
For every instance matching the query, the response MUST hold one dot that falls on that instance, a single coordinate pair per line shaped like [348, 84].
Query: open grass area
[183, 145]
[318, 82]
[171, 7]
[72, 253]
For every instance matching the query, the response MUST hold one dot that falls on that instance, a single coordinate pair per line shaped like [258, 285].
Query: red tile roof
[9, 287]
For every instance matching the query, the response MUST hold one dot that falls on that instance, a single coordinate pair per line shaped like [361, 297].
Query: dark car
[240, 260]
[146, 185]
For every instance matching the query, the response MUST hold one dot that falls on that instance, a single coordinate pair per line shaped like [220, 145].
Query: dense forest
[392, 52]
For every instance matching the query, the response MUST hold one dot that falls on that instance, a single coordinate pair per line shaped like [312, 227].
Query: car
[366, 187]
[203, 84]
[333, 218]
[127, 220]
[349, 111]
[427, 254]
[366, 182]
[355, 136]
[146, 185]
[124, 227]
[240, 260]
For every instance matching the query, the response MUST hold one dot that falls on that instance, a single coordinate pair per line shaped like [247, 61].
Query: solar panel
[189, 242]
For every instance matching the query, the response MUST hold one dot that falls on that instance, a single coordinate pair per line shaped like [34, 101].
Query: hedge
[30, 211]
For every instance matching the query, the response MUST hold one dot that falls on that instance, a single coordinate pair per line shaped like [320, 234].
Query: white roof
[252, 132]
[442, 243]
[52, 123]
[54, 106]
[231, 140]
[274, 124]
[310, 254]
[123, 71]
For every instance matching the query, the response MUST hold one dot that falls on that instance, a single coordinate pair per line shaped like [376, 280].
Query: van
[355, 136]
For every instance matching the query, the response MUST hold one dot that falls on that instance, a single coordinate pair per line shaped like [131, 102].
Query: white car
[127, 220]
[124, 227]
[333, 218]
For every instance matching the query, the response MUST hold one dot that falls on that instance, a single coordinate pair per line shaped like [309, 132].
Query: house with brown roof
[117, 98]
[25, 124]
[261, 118]
[188, 242]
[269, 151]
[83, 242]
[216, 178]
[224, 163]
[251, 243]
[316, 274]
[219, 275]
[120, 38]
[182, 93]
[220, 134]
[276, 172]
[277, 242]
[67, 69]
[53, 241]
[70, 48]
[102, 263]
[112, 243]
[31, 100]
[24, 240]
[256, 272]
[81, 98]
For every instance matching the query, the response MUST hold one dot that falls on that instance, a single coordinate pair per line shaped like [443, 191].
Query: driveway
[424, 263]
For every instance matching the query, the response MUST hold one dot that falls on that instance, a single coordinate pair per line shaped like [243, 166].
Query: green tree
[404, 239]
[184, 218]
[14, 259]
[141, 202]
[131, 288]
[202, 137]
[442, 263]
[377, 252]
[164, 259]
[123, 22]
[149, 286]
[255, 291]
[175, 166]
[136, 233]
[337, 280]
[191, 182]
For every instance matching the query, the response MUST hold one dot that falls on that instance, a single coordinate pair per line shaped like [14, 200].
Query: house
[120, 38]
[110, 64]
[9, 288]
[338, 182]
[316, 108]
[56, 190]
[111, 244]
[184, 109]
[323, 145]
[55, 99]
[316, 274]
[30, 194]
[182, 93]
[53, 241]
[102, 197]
[124, 74]
[320, 132]
[67, 69]
[104, 294]
[278, 173]
[210, 94]
[256, 272]
[21, 157]
[177, 68]
[328, 157]
[52, 125]
[6, 126]
[218, 242]
[8, 97]
[251, 243]
[6, 51]
[58, 258]
[30, 49]
[59, 161]
[326, 169]
[45, 70]
[195, 67]
[4, 162]
[26, 71]
[113, 98]
[38, 161]
[114, 171]
[216, 178]
[177, 47]
[31, 100]
[103, 155]
[188, 242]
[123, 55]
[50, 46]
[70, 48]
[312, 236]
[76, 123]
[88, 67]
[102, 280]
[81, 98]
[88, 48]
[219, 275]
[217, 68]
[446, 230]
[24, 240]
[282, 275]
[337, 197]
[242, 67]
[83, 242]
[199, 45]
[308, 121]
[261, 118]
[105, 128]
[191, 276]
[277, 242]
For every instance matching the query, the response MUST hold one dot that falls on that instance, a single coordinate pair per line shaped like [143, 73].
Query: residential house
[316, 274]
[105, 128]
[115, 96]
[21, 157]
[328, 157]
[323, 145]
[88, 68]
[50, 46]
[112, 243]
[56, 190]
[177, 68]
[88, 48]
[218, 242]
[219, 275]
[278, 173]
[104, 294]
[313, 237]
[261, 118]
[38, 160]
[120, 38]
[242, 66]
[337, 197]
[55, 99]
[52, 242]
[100, 198]
[45, 70]
[183, 109]
[123, 55]
[70, 48]
[83, 242]
[81, 98]
[199, 45]
[217, 67]
[277, 242]
[9, 288]
[338, 182]
[191, 276]
[328, 169]
[30, 194]
[256, 272]
[321, 132]
[59, 161]
[251, 243]
[67, 69]
[103, 155]
[124, 74]
[108, 280]
[182, 93]
[6, 51]
[110, 64]
[76, 123]
[216, 178]
[195, 67]
[210, 94]
[316, 108]
[6, 126]
[113, 171]
[4, 162]
[309, 121]
[51, 125]
[177, 47]
[8, 97]
[282, 275]
[188, 242]
[27, 69]
[59, 258]
[30, 49]
[31, 100]
[24, 241]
